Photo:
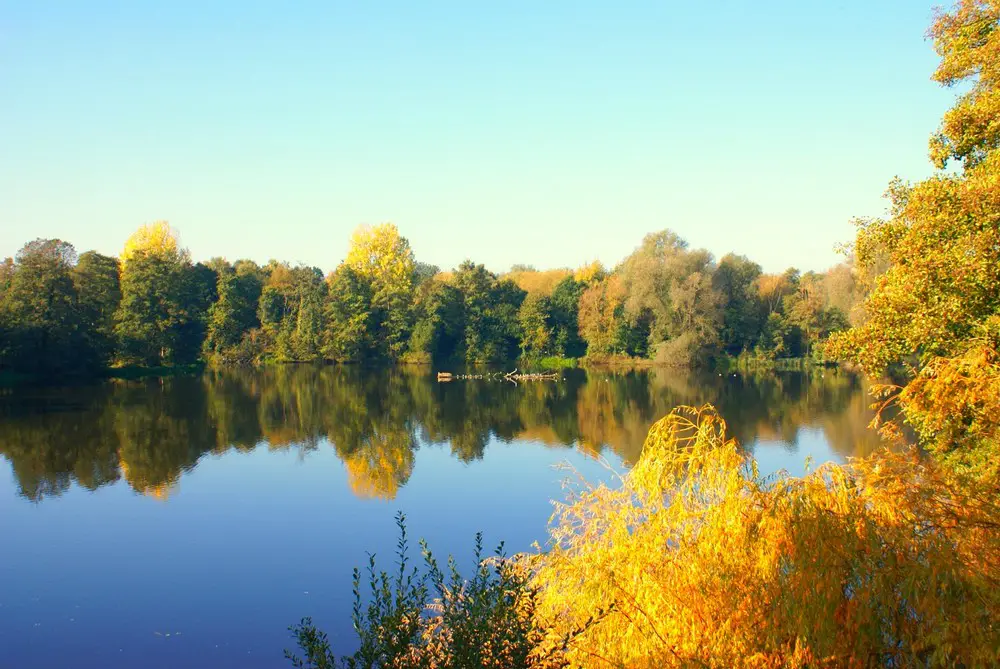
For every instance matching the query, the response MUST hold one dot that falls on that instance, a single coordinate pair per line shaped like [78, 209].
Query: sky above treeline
[545, 133]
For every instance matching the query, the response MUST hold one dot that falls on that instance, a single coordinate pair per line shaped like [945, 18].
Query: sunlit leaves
[384, 257]
[968, 40]
[931, 267]
[154, 239]
[701, 562]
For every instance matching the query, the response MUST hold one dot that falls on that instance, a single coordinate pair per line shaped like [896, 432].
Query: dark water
[186, 522]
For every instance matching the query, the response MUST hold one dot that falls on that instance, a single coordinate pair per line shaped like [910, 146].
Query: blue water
[210, 568]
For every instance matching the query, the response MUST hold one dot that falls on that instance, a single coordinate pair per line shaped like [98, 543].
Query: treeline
[149, 432]
[153, 306]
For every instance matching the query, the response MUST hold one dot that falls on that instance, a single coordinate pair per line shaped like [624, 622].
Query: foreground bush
[434, 618]
[696, 560]
[886, 561]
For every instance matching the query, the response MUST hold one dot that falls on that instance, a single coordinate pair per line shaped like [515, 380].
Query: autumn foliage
[931, 267]
[696, 560]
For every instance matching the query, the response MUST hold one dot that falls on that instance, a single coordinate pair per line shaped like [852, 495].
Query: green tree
[233, 316]
[490, 307]
[157, 319]
[348, 334]
[199, 291]
[735, 279]
[565, 312]
[671, 286]
[306, 338]
[41, 311]
[7, 268]
[291, 312]
[439, 326]
[535, 319]
[6, 333]
[98, 289]
[151, 314]
[804, 310]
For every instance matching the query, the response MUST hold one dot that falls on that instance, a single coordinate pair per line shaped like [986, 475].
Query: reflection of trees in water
[52, 441]
[162, 429]
[149, 432]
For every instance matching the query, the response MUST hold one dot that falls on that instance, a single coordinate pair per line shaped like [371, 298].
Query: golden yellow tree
[156, 238]
[934, 314]
[601, 314]
[383, 257]
[536, 282]
[589, 273]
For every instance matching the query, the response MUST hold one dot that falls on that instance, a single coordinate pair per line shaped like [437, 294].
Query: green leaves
[436, 618]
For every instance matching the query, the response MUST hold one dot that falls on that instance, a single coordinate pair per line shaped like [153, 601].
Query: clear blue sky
[548, 133]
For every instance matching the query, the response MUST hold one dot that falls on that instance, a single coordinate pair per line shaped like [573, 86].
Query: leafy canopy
[933, 307]
[156, 238]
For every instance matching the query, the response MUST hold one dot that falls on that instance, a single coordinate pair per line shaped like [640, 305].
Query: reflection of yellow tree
[616, 410]
[370, 425]
[848, 432]
[378, 468]
[160, 491]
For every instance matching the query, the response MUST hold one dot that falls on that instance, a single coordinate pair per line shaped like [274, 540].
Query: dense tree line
[154, 306]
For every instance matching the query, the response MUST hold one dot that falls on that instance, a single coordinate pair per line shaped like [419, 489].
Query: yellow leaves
[377, 470]
[382, 255]
[701, 562]
[590, 273]
[155, 238]
[600, 314]
[535, 282]
[968, 40]
[931, 267]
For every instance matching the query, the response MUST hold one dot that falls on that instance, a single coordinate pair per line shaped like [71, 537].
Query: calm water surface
[186, 522]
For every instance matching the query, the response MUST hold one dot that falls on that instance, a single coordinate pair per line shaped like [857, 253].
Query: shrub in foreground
[700, 561]
[435, 618]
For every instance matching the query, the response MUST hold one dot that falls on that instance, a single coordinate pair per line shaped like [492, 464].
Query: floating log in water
[512, 376]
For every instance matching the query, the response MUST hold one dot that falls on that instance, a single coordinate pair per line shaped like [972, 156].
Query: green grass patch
[556, 362]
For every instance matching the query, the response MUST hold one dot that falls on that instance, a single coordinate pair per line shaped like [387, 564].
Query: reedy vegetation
[890, 560]
[155, 307]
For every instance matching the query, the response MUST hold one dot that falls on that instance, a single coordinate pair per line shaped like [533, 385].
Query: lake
[188, 521]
